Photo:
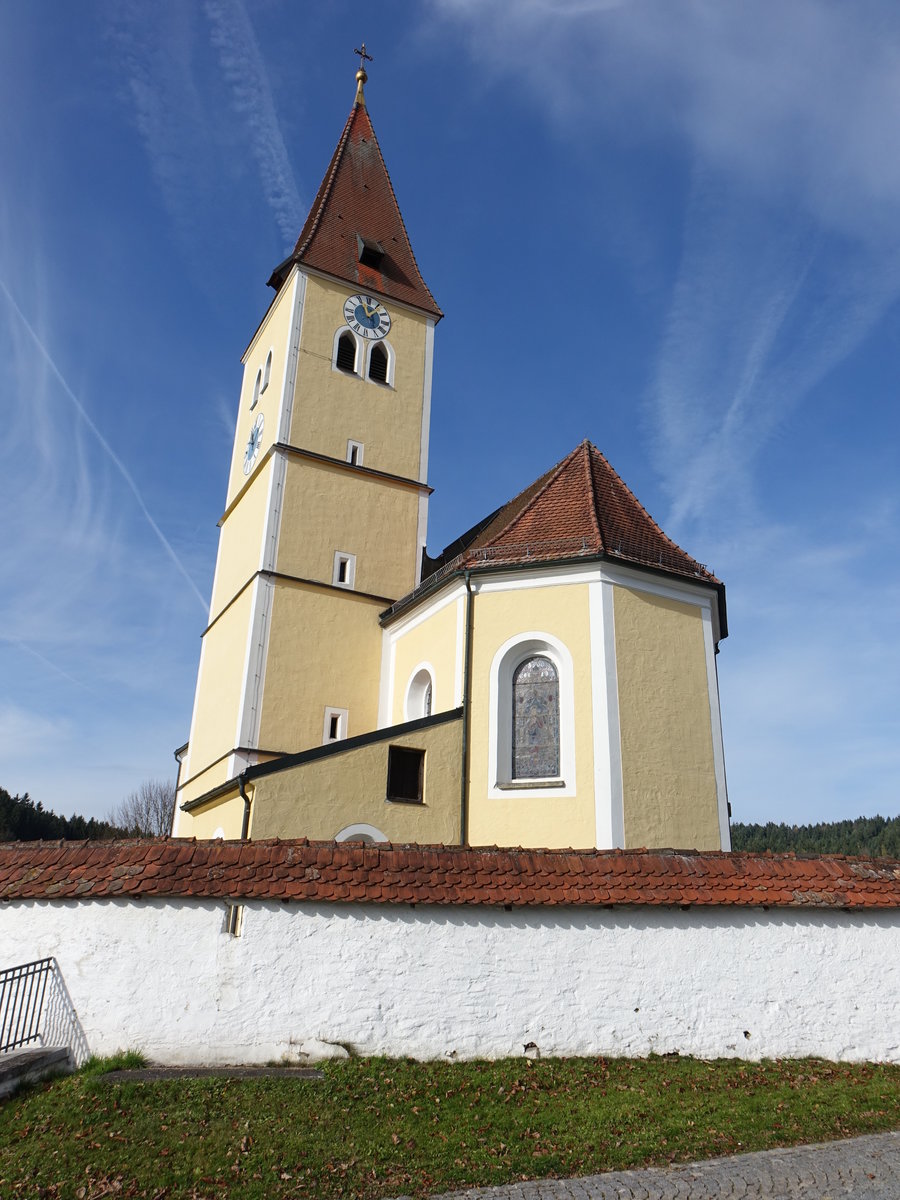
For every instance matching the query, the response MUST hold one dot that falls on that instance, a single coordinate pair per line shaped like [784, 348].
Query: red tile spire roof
[356, 201]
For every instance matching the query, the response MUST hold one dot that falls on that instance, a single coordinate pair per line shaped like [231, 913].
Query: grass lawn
[378, 1128]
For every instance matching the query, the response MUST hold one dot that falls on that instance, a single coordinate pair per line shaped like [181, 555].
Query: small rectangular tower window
[344, 574]
[370, 252]
[335, 728]
[405, 775]
[354, 453]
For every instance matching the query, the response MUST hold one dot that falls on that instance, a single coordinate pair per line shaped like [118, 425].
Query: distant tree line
[876, 836]
[146, 812]
[21, 820]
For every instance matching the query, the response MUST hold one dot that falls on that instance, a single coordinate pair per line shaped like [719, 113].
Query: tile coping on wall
[329, 872]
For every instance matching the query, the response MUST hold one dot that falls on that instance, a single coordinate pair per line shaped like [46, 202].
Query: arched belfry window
[378, 364]
[535, 719]
[345, 356]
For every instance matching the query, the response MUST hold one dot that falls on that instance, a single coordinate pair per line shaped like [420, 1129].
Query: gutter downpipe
[242, 788]
[467, 681]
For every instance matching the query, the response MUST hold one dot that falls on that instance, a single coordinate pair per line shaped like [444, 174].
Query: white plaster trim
[459, 681]
[360, 452]
[360, 830]
[513, 651]
[603, 831]
[239, 761]
[247, 732]
[614, 732]
[426, 401]
[267, 317]
[715, 720]
[423, 612]
[415, 691]
[291, 358]
[421, 534]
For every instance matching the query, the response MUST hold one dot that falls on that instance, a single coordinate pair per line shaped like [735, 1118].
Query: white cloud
[245, 72]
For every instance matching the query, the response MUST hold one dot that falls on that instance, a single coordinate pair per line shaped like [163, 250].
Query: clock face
[367, 317]
[251, 451]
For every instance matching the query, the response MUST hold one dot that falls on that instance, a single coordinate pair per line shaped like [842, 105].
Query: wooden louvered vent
[346, 353]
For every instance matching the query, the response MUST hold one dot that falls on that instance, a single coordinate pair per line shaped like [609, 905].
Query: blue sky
[672, 227]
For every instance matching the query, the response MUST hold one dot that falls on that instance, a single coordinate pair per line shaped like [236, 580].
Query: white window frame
[343, 556]
[267, 372]
[359, 447]
[342, 717]
[256, 390]
[360, 355]
[511, 655]
[420, 679]
[389, 350]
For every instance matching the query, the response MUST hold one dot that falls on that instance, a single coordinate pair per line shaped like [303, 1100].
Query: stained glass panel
[535, 732]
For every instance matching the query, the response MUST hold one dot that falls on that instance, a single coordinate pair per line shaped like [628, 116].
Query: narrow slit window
[256, 390]
[346, 353]
[378, 364]
[334, 728]
[267, 372]
[354, 453]
[405, 775]
[344, 571]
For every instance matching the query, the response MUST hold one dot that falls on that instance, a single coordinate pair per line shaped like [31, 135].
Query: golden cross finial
[361, 75]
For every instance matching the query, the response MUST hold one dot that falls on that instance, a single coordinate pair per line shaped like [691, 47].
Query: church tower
[325, 514]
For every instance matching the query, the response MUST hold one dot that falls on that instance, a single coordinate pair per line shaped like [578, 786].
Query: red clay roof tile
[356, 199]
[326, 872]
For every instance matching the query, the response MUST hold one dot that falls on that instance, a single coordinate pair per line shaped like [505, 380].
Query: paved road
[866, 1168]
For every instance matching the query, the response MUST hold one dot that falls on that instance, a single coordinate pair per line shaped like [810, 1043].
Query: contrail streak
[120, 466]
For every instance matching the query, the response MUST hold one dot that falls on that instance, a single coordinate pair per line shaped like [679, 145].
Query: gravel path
[866, 1168]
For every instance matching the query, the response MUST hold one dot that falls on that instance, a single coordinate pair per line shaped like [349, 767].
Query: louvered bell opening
[370, 252]
[378, 364]
[346, 353]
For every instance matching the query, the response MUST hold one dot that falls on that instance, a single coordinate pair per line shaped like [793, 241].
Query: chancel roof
[356, 205]
[580, 508]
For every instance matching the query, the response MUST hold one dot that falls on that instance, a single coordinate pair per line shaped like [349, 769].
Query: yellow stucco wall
[331, 406]
[324, 651]
[240, 539]
[226, 813]
[274, 335]
[321, 798]
[328, 508]
[203, 781]
[668, 772]
[219, 688]
[433, 640]
[547, 818]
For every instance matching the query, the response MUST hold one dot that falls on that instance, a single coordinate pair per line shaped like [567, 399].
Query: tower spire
[361, 76]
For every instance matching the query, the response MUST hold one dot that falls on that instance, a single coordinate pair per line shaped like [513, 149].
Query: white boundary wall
[164, 977]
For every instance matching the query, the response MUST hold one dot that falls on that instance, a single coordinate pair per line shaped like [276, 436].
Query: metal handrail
[22, 991]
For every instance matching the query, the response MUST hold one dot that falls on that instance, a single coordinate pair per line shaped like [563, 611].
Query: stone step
[28, 1066]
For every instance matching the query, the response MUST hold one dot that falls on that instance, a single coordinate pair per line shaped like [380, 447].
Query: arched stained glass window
[535, 719]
